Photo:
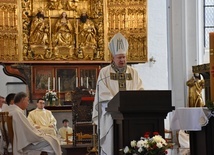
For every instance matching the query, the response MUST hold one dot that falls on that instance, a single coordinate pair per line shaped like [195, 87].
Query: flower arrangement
[148, 146]
[50, 96]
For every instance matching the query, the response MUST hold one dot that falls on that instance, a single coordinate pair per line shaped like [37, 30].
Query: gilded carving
[129, 17]
[8, 31]
[39, 30]
[71, 30]
[87, 37]
[52, 30]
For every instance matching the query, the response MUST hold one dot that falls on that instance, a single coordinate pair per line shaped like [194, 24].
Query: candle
[59, 84]
[76, 81]
[81, 82]
[86, 82]
[53, 83]
[48, 83]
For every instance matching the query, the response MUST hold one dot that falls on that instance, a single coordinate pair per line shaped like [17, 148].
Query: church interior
[57, 48]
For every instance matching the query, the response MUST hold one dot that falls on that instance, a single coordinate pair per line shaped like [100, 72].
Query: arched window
[208, 20]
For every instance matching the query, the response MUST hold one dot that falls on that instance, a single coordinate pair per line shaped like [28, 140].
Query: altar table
[200, 123]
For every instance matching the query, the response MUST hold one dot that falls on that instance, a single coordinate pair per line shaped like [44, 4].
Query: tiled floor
[178, 151]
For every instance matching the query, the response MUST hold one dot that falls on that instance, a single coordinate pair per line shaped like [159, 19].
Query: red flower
[155, 133]
[146, 135]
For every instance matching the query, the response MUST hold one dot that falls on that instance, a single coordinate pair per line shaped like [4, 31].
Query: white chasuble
[26, 134]
[43, 118]
[106, 89]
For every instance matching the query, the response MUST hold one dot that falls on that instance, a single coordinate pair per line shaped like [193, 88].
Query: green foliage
[209, 104]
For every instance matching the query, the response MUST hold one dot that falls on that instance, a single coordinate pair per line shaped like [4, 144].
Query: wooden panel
[137, 112]
[212, 65]
[70, 78]
[202, 142]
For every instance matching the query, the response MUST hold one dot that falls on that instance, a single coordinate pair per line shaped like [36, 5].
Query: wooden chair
[168, 136]
[82, 114]
[82, 138]
[67, 138]
[6, 127]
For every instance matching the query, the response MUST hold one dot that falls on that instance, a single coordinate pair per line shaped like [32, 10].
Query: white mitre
[118, 44]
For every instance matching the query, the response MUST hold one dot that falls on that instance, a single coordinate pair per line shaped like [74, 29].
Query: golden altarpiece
[67, 39]
[61, 44]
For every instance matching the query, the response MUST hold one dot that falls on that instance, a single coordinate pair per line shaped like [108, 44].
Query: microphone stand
[98, 125]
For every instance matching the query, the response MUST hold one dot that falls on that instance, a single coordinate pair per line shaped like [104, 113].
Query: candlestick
[48, 83]
[76, 81]
[59, 84]
[59, 103]
[53, 83]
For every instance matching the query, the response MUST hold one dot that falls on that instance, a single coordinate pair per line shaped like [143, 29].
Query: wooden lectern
[137, 112]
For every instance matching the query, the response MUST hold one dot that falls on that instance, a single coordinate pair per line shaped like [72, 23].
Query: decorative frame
[67, 79]
[40, 80]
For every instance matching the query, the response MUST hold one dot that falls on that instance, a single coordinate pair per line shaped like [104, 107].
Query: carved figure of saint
[195, 88]
[87, 31]
[39, 30]
[63, 32]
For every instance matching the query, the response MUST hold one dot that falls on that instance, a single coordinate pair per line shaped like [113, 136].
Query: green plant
[209, 104]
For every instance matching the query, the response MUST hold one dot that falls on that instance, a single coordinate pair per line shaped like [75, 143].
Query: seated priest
[42, 118]
[10, 98]
[65, 128]
[117, 76]
[27, 139]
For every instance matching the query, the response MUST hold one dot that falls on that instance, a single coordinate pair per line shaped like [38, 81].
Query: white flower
[50, 95]
[126, 150]
[142, 143]
[133, 143]
[140, 150]
[159, 145]
[158, 139]
[146, 145]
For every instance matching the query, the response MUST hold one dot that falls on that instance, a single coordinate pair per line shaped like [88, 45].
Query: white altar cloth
[190, 119]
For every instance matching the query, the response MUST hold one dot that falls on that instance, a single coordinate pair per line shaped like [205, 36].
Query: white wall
[3, 80]
[155, 76]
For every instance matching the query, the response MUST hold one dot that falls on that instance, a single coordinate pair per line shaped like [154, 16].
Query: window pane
[209, 2]
[209, 16]
[207, 31]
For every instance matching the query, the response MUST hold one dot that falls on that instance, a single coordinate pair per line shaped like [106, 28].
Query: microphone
[98, 110]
